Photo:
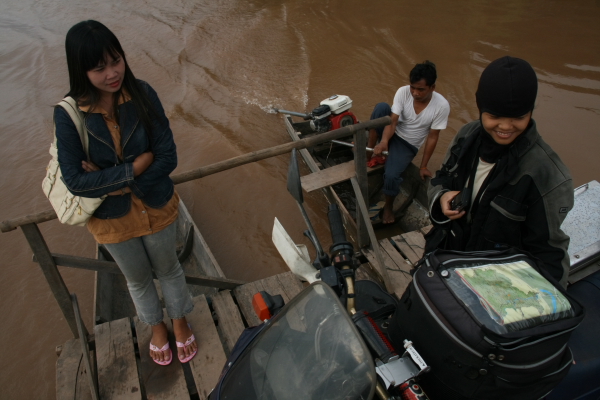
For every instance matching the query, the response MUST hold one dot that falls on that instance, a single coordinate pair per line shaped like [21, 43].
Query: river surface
[219, 67]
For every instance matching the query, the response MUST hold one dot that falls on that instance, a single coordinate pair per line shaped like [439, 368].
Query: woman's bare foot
[183, 333]
[160, 337]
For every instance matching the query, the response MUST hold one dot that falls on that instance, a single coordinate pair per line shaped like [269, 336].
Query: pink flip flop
[164, 348]
[189, 341]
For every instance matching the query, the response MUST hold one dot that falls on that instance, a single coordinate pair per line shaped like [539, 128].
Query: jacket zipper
[135, 126]
[111, 147]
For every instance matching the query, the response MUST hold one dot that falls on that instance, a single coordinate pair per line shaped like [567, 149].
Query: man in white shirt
[418, 115]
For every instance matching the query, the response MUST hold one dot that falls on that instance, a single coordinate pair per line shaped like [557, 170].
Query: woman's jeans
[137, 258]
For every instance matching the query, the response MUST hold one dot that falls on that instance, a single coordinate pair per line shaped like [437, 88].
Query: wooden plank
[111, 267]
[210, 359]
[362, 214]
[49, 269]
[329, 193]
[425, 230]
[71, 375]
[244, 294]
[396, 283]
[230, 319]
[401, 263]
[291, 283]
[92, 384]
[117, 369]
[272, 286]
[405, 249]
[416, 241]
[365, 214]
[273, 151]
[363, 273]
[330, 176]
[159, 381]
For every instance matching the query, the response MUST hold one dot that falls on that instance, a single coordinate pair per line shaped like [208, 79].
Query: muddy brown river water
[219, 67]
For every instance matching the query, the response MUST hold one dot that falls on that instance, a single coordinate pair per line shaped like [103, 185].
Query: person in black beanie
[500, 184]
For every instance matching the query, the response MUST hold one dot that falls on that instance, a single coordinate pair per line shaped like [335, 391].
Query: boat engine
[332, 114]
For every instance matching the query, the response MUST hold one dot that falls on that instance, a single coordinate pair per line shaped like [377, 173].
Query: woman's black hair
[87, 45]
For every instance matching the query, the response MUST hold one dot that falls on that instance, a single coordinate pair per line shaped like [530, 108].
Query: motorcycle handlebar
[335, 225]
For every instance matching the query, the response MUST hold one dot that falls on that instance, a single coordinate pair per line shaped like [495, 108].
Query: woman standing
[131, 154]
[513, 189]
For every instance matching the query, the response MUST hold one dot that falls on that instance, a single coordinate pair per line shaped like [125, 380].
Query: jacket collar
[128, 119]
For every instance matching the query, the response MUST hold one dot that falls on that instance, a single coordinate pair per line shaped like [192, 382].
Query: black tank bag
[474, 351]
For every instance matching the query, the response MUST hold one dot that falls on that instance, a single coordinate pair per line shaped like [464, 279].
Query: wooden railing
[48, 261]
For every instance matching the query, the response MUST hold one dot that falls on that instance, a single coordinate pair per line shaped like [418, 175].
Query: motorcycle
[327, 342]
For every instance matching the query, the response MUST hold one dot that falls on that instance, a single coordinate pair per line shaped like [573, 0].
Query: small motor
[332, 114]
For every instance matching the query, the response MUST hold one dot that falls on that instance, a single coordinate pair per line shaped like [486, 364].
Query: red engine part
[410, 390]
[340, 120]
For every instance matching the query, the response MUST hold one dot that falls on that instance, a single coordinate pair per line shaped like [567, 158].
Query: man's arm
[388, 132]
[430, 144]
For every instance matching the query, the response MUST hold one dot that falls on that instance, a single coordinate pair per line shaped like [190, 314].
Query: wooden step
[330, 176]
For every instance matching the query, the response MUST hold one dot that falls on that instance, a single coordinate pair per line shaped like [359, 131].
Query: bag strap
[71, 107]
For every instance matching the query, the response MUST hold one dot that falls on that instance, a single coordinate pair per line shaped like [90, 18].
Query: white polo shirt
[413, 127]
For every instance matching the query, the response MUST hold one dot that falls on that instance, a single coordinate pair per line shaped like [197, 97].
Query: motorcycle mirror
[293, 179]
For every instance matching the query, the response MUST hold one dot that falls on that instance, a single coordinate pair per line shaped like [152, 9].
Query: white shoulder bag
[71, 209]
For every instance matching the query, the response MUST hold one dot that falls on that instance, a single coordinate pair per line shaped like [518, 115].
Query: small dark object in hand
[459, 202]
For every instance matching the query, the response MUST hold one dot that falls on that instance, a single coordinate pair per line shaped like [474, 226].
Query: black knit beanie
[507, 88]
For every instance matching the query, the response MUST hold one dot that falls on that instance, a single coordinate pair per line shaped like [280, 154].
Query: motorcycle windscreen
[310, 350]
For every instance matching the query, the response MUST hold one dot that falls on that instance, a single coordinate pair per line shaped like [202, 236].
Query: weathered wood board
[286, 284]
[229, 317]
[330, 176]
[406, 250]
[210, 359]
[71, 374]
[159, 381]
[117, 368]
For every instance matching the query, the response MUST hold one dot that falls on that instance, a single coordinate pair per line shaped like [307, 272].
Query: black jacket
[524, 203]
[154, 186]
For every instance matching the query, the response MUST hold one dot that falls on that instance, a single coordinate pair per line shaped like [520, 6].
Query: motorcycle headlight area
[310, 350]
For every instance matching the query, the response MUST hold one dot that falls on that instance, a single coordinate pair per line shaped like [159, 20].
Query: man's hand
[445, 203]
[142, 162]
[423, 172]
[380, 148]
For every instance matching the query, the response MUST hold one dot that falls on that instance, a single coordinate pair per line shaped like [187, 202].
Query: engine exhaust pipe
[294, 113]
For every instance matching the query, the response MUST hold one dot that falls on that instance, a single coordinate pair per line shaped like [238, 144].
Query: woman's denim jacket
[153, 186]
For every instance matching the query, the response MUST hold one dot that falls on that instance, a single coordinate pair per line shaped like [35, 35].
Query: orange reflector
[260, 307]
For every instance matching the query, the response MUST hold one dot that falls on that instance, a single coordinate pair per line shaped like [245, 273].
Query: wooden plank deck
[122, 359]
[400, 254]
